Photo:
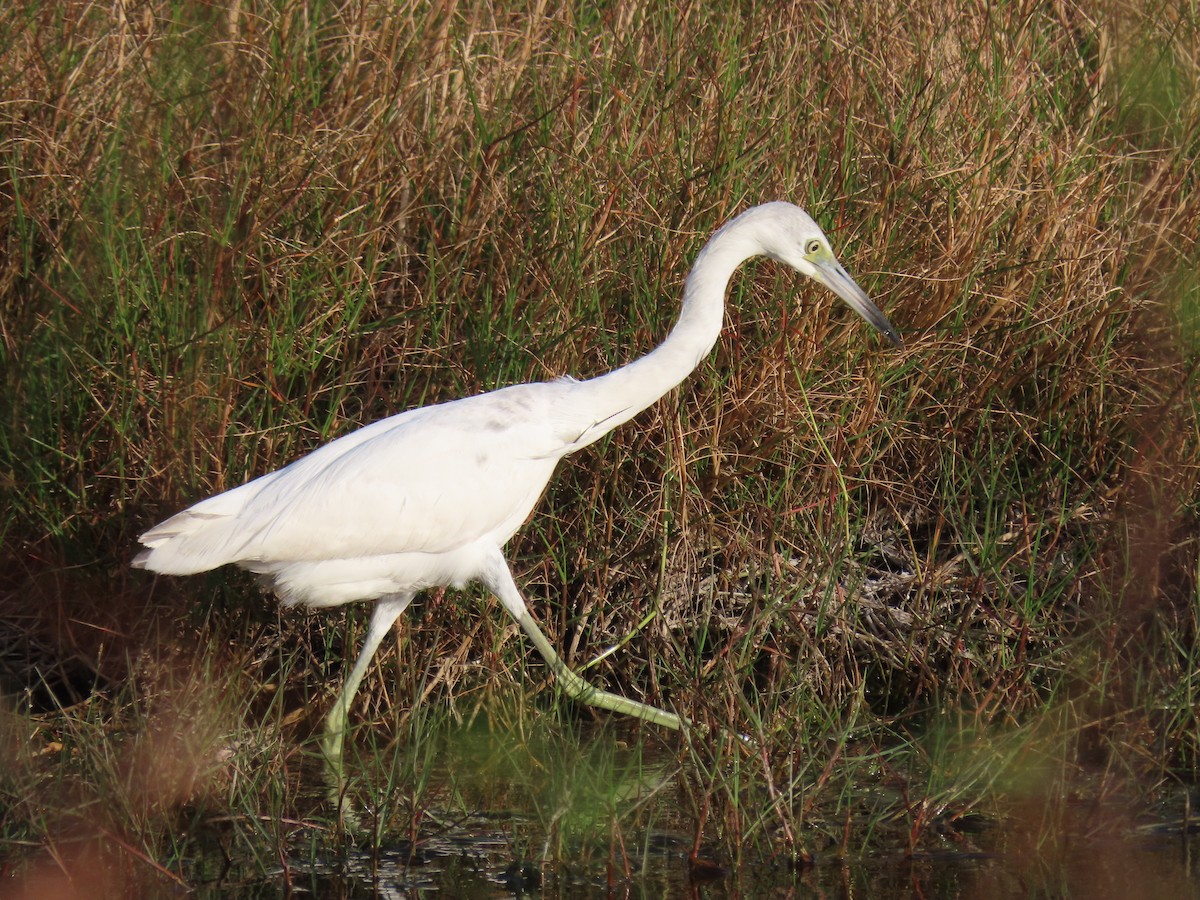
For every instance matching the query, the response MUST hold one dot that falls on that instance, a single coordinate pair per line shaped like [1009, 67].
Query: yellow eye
[812, 247]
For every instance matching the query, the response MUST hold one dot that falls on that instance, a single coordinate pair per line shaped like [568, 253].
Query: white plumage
[429, 497]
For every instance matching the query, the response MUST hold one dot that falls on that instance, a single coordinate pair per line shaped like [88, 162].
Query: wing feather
[426, 481]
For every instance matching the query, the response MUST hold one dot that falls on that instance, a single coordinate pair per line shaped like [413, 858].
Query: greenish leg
[499, 580]
[583, 691]
[387, 610]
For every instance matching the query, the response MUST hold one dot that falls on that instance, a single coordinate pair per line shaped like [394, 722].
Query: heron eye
[812, 247]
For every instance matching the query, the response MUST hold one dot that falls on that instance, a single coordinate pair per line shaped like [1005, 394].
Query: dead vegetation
[231, 233]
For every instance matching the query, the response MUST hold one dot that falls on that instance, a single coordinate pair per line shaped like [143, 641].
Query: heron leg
[387, 610]
[499, 581]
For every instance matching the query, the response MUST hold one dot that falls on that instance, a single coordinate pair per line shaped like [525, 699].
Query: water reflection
[1143, 868]
[560, 815]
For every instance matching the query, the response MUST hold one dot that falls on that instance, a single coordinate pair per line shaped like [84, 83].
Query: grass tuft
[929, 585]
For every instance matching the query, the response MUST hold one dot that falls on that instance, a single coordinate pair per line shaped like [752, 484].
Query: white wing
[425, 481]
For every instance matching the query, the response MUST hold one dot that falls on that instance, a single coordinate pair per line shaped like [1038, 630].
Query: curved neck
[623, 393]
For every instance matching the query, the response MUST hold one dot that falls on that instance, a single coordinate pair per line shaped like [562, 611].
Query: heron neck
[623, 393]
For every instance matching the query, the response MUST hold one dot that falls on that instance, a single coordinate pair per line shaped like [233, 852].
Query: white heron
[429, 497]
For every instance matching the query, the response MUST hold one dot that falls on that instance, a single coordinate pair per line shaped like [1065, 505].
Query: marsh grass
[919, 581]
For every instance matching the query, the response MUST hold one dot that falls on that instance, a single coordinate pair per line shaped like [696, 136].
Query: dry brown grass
[231, 233]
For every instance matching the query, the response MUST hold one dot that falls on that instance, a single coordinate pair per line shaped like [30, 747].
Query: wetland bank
[949, 593]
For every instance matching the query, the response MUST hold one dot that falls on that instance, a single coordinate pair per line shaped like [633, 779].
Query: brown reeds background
[234, 231]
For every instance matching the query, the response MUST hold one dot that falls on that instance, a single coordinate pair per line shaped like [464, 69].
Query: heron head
[790, 236]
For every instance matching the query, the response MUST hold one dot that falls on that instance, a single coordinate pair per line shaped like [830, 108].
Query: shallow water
[607, 816]
[479, 865]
